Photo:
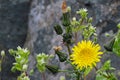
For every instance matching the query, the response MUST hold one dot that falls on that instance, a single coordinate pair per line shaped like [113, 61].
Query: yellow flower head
[85, 54]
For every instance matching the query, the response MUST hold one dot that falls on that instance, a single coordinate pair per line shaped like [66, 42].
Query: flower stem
[68, 47]
[65, 71]
[43, 75]
[76, 38]
[1, 64]
[78, 76]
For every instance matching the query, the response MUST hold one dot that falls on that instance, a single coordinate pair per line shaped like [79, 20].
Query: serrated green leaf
[100, 77]
[106, 65]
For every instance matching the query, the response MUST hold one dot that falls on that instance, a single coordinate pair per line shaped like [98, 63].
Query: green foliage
[21, 62]
[41, 59]
[62, 78]
[21, 59]
[2, 58]
[83, 13]
[109, 46]
[70, 33]
[118, 25]
[116, 46]
[23, 77]
[84, 25]
[106, 72]
[87, 71]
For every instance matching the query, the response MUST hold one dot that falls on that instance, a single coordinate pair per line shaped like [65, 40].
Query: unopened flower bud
[118, 25]
[2, 53]
[68, 8]
[74, 18]
[64, 7]
[25, 67]
[62, 56]
[107, 35]
[67, 38]
[57, 48]
[52, 68]
[66, 19]
[90, 19]
[58, 29]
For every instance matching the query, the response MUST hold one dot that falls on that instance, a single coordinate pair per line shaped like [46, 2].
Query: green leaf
[116, 46]
[105, 73]
[31, 72]
[87, 71]
[106, 66]
[100, 77]
[42, 59]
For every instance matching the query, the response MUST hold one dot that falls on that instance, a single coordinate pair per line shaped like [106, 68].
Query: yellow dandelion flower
[85, 54]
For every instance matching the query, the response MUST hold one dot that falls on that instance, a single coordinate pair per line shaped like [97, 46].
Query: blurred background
[29, 23]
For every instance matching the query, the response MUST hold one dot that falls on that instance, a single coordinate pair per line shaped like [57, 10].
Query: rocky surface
[13, 31]
[41, 36]
[44, 14]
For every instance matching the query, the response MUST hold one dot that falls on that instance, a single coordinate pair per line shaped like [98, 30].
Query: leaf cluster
[21, 59]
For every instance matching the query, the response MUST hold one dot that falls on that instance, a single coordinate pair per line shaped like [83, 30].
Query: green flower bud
[118, 25]
[24, 68]
[83, 13]
[52, 68]
[58, 29]
[66, 19]
[26, 78]
[2, 53]
[109, 46]
[62, 56]
[31, 72]
[67, 38]
[107, 34]
[74, 18]
[90, 19]
[69, 9]
[62, 78]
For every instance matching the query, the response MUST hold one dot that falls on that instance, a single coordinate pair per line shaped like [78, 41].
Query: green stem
[76, 38]
[68, 47]
[65, 71]
[81, 21]
[1, 64]
[43, 75]
[78, 76]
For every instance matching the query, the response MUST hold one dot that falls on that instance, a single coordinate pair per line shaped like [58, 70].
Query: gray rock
[13, 31]
[44, 14]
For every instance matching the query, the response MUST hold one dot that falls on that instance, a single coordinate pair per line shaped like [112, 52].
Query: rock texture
[44, 14]
[13, 31]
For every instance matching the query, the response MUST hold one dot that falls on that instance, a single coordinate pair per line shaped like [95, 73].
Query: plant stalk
[68, 47]
[76, 38]
[65, 71]
[78, 76]
[43, 75]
